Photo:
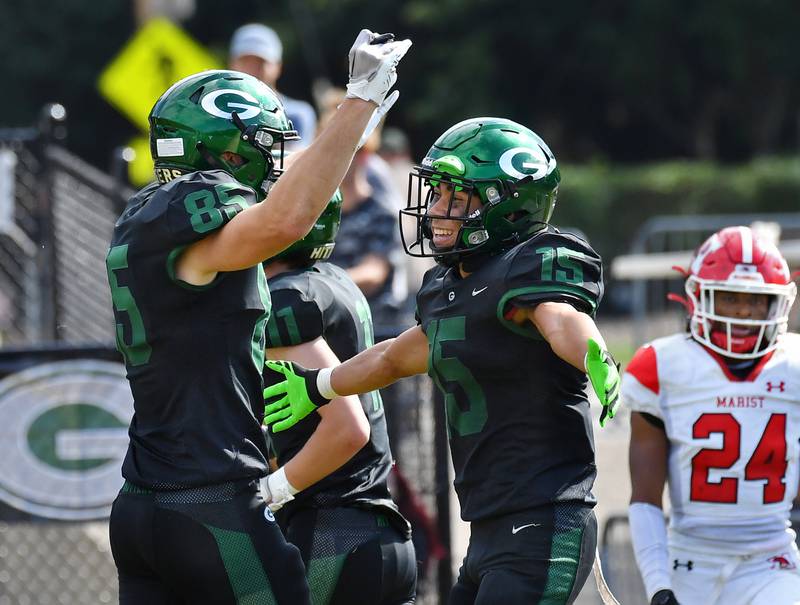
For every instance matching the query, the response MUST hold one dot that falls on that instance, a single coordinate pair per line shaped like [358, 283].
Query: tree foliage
[614, 81]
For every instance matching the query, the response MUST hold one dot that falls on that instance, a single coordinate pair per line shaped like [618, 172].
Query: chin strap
[677, 297]
[680, 299]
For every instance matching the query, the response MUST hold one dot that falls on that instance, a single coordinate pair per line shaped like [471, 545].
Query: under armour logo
[781, 386]
[688, 565]
[781, 562]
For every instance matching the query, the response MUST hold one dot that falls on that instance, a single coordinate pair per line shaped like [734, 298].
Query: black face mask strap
[248, 132]
[512, 187]
[249, 135]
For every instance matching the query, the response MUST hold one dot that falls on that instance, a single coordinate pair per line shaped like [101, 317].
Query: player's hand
[373, 59]
[377, 116]
[664, 597]
[276, 490]
[297, 395]
[603, 373]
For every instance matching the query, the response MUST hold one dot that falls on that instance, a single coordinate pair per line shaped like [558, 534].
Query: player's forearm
[567, 332]
[302, 192]
[369, 370]
[337, 438]
[649, 537]
[383, 364]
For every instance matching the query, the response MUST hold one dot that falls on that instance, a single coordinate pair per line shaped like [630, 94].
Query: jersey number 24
[768, 461]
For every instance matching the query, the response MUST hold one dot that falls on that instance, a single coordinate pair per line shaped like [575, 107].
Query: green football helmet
[505, 166]
[319, 243]
[206, 114]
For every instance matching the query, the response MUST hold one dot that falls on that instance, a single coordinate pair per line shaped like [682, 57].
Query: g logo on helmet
[520, 162]
[64, 436]
[245, 110]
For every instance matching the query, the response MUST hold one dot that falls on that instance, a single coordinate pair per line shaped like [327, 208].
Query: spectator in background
[395, 150]
[368, 245]
[369, 248]
[257, 50]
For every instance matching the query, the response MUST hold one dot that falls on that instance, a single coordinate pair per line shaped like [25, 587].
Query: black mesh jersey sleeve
[554, 266]
[200, 203]
[295, 318]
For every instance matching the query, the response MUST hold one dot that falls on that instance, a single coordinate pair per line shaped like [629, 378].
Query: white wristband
[280, 490]
[649, 537]
[324, 383]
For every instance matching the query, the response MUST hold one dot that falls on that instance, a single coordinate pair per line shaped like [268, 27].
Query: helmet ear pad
[520, 217]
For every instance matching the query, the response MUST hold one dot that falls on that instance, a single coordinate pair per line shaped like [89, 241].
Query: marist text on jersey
[740, 401]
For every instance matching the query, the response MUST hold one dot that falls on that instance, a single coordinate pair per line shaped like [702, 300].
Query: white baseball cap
[257, 40]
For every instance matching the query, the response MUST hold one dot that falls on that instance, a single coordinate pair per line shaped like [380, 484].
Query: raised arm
[295, 202]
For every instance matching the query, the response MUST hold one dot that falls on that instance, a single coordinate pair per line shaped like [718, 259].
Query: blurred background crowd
[651, 107]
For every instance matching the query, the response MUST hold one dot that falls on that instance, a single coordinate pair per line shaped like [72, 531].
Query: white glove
[276, 490]
[377, 116]
[373, 59]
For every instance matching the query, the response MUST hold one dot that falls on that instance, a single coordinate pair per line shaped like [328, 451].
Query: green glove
[300, 395]
[603, 373]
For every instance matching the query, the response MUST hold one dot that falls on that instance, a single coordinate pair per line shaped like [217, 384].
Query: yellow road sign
[157, 56]
[140, 169]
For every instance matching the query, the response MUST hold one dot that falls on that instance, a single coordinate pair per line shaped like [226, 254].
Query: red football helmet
[734, 260]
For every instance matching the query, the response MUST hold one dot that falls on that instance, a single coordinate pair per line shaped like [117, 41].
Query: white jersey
[734, 443]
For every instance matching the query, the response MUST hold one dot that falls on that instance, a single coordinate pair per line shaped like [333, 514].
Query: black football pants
[216, 544]
[539, 556]
[354, 556]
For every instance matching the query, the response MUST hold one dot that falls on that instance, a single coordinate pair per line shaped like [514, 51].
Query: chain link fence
[57, 214]
[85, 205]
[20, 233]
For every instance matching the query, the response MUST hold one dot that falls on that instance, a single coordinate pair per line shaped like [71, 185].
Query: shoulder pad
[295, 317]
[555, 266]
[199, 203]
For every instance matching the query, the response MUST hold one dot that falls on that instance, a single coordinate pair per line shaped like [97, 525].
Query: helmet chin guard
[733, 260]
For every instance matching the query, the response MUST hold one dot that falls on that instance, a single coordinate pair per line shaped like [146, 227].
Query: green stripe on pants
[565, 551]
[323, 575]
[249, 582]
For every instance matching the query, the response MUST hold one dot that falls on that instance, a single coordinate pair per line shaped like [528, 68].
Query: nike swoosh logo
[476, 292]
[516, 529]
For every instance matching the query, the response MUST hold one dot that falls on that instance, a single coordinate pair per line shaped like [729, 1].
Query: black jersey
[518, 416]
[193, 354]
[323, 301]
